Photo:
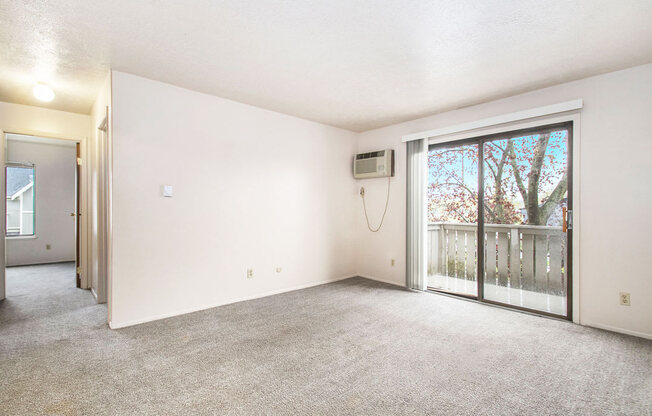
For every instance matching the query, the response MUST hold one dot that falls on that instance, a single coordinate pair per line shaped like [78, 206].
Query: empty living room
[311, 207]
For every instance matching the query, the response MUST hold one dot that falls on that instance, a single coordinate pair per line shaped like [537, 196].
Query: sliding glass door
[452, 218]
[519, 182]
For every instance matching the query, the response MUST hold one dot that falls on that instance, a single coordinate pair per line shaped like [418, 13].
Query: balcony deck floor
[511, 296]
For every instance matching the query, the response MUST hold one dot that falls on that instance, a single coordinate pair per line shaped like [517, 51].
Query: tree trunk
[553, 200]
[533, 179]
[500, 192]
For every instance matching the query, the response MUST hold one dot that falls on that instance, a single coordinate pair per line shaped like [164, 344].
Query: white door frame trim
[102, 148]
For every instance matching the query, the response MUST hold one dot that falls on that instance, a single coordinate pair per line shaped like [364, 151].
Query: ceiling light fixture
[43, 92]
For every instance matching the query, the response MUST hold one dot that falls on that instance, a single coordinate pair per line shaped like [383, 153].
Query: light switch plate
[167, 191]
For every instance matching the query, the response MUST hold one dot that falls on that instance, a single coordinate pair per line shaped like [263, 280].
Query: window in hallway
[20, 199]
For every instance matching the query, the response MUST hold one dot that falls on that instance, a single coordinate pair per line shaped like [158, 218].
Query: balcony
[524, 264]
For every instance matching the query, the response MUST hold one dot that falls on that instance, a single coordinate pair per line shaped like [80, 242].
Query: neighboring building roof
[17, 179]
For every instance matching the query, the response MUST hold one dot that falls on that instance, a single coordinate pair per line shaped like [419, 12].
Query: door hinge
[79, 161]
[569, 219]
[78, 270]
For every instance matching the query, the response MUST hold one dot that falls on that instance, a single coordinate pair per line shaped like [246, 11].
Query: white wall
[55, 166]
[37, 121]
[615, 197]
[252, 189]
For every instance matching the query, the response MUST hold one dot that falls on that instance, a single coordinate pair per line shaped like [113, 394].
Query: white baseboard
[116, 325]
[381, 280]
[619, 330]
[40, 263]
[591, 324]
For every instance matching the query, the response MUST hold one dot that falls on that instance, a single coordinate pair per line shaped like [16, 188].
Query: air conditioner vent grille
[370, 155]
[365, 166]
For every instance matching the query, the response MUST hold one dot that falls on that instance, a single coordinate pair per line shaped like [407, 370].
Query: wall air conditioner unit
[378, 164]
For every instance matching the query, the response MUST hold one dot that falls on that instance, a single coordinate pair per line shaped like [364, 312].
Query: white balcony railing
[524, 257]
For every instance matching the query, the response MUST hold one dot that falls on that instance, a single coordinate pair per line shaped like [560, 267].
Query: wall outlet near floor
[393, 262]
[250, 273]
[279, 270]
[624, 299]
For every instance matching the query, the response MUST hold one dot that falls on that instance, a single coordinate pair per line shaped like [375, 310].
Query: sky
[552, 170]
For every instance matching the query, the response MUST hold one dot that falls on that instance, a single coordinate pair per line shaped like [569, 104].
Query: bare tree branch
[517, 173]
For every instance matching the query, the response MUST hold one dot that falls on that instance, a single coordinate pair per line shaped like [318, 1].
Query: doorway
[42, 208]
[498, 219]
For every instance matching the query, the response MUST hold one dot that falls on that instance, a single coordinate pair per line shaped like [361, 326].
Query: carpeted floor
[352, 347]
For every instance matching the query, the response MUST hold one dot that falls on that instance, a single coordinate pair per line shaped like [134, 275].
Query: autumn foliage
[525, 180]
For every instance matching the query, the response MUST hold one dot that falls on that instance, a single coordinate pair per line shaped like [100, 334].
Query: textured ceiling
[352, 64]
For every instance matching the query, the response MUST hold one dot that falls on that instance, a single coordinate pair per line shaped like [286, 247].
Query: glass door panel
[525, 184]
[452, 219]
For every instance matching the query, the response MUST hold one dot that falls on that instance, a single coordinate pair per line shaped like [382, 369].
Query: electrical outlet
[279, 270]
[47, 246]
[393, 262]
[250, 273]
[624, 299]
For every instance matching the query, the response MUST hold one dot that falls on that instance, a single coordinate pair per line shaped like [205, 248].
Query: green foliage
[456, 268]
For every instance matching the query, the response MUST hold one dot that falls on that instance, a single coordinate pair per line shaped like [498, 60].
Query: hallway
[43, 305]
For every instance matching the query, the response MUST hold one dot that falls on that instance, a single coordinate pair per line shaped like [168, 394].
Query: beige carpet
[352, 347]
